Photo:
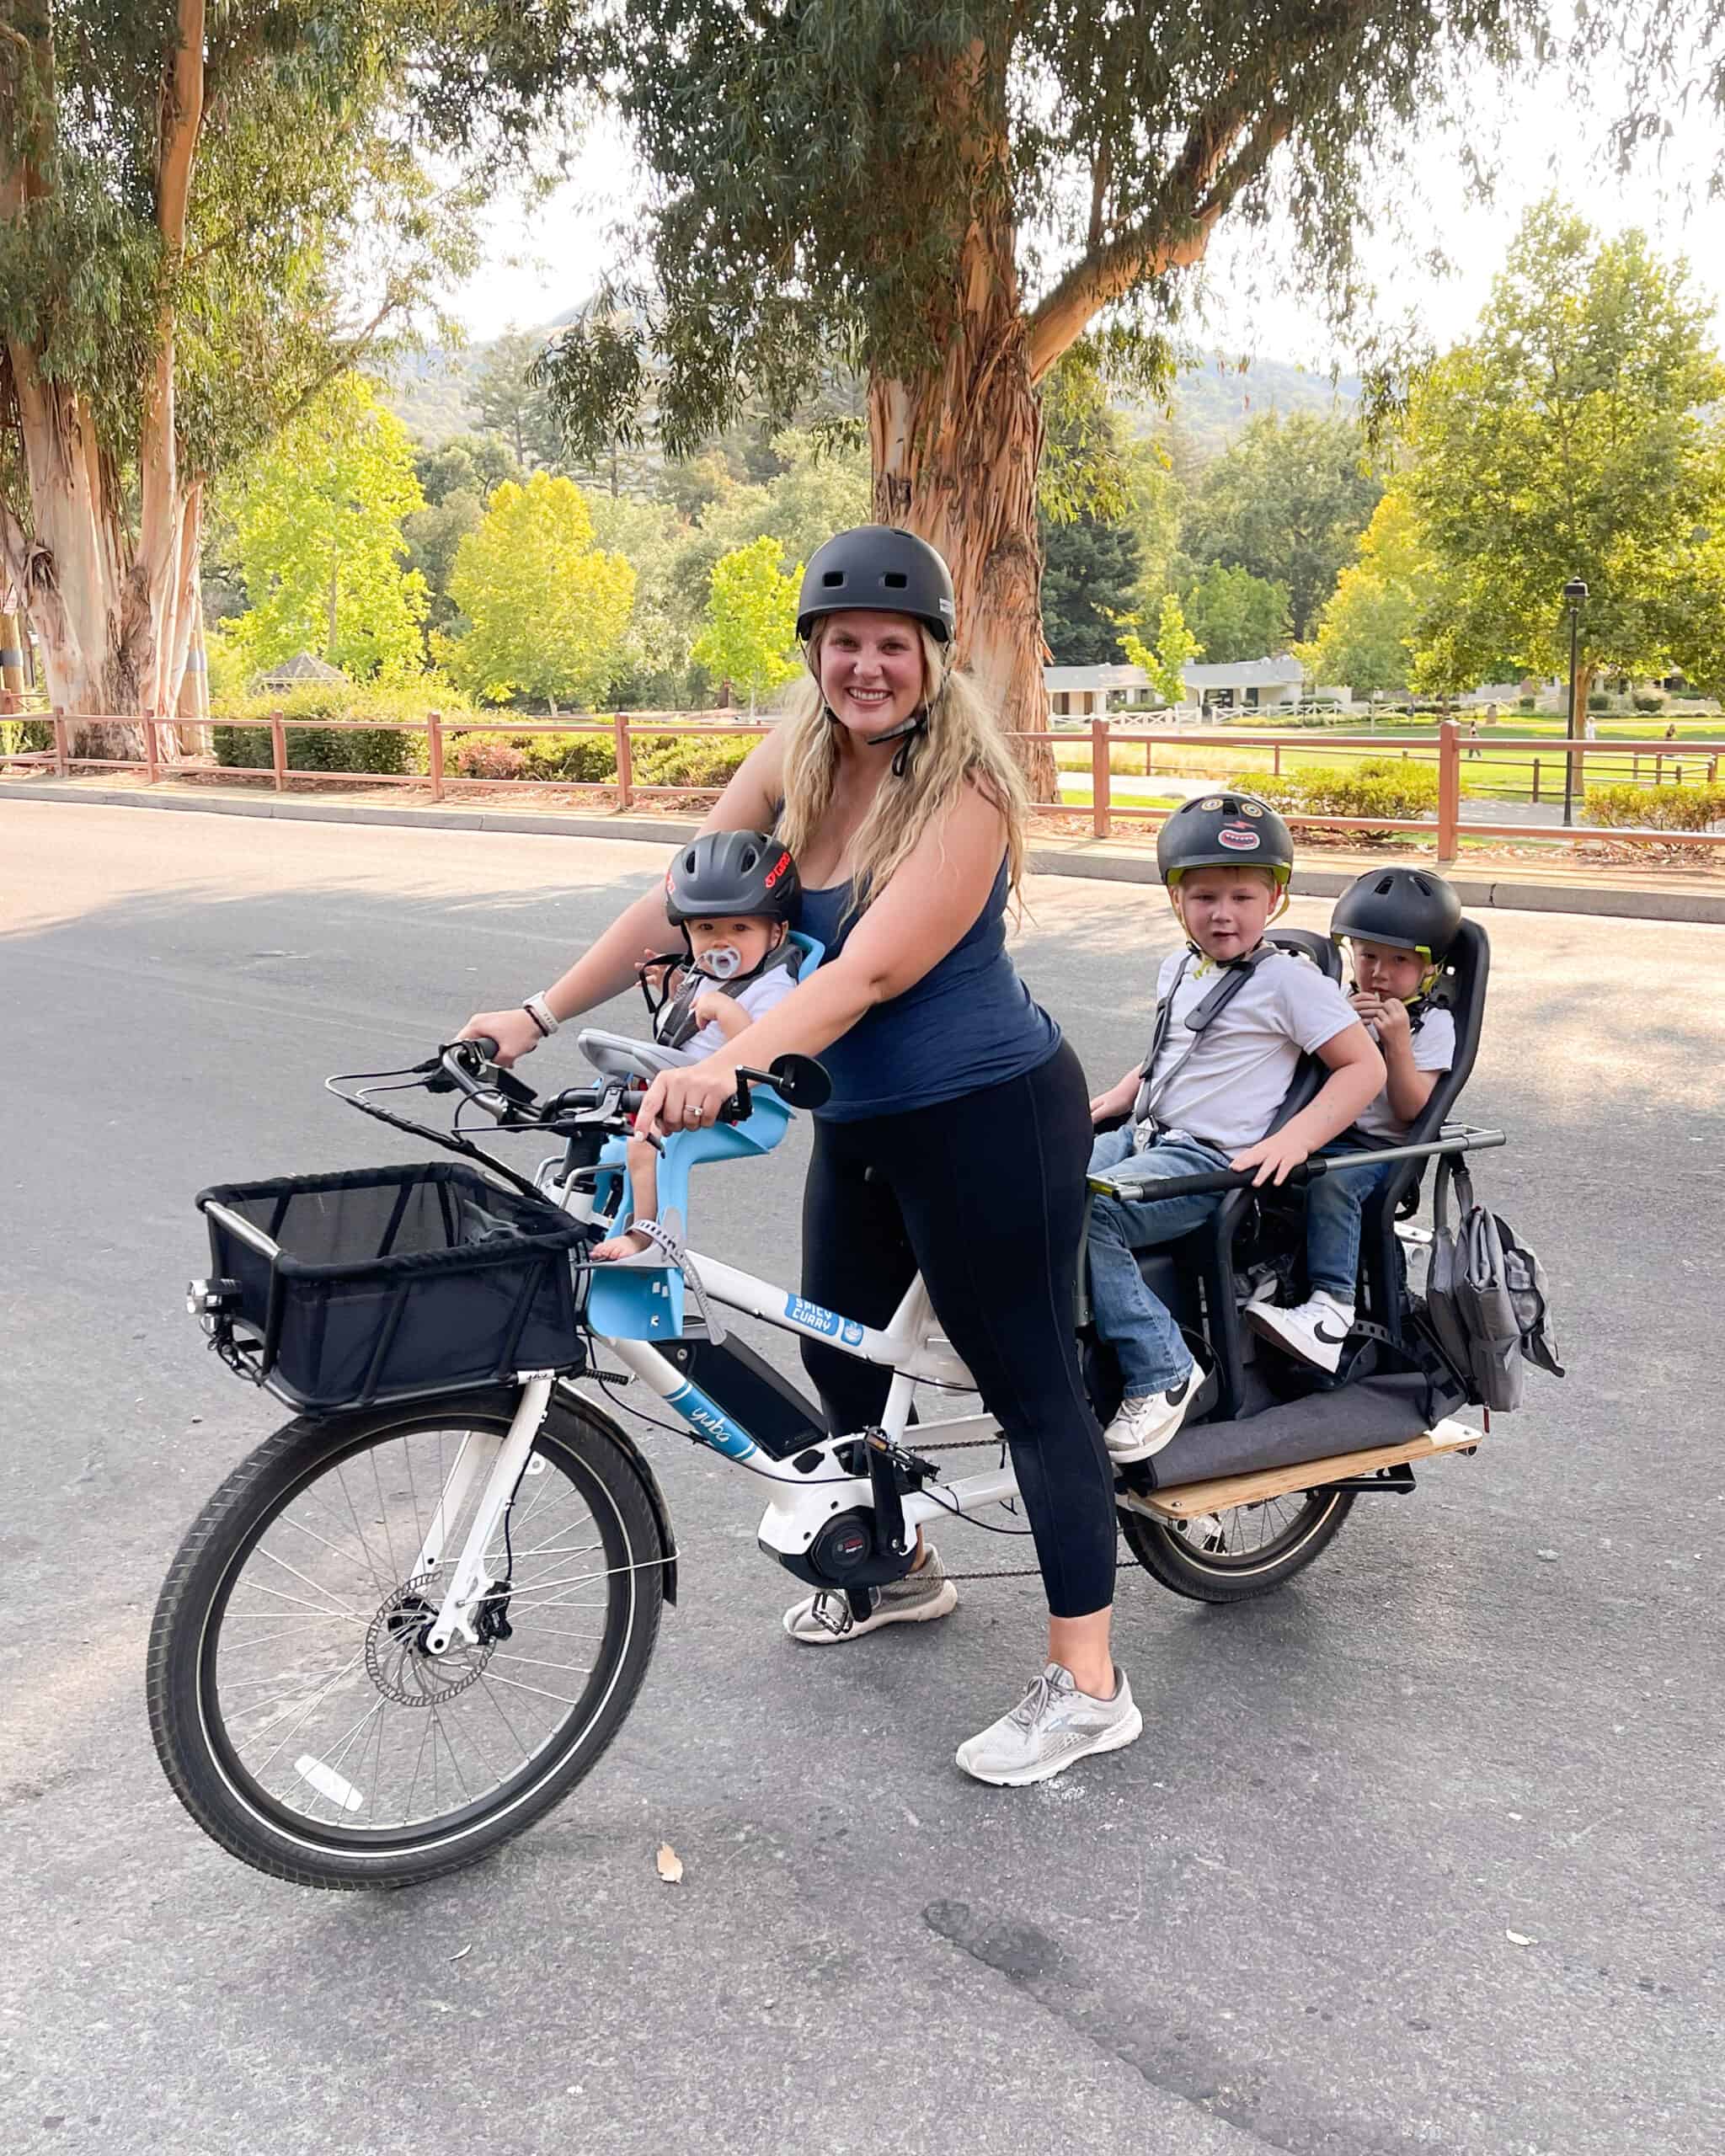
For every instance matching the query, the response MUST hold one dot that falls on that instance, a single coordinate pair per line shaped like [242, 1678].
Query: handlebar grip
[483, 1045]
[1210, 1183]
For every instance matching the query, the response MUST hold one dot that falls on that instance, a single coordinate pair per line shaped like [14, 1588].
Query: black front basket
[383, 1284]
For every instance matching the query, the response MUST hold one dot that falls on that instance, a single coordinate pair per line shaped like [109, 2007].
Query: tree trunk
[955, 452]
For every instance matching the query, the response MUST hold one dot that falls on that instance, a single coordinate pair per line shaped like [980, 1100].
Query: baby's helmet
[731, 872]
[1224, 831]
[1409, 909]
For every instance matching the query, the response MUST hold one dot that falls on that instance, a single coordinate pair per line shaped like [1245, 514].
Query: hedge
[1378, 786]
[1656, 808]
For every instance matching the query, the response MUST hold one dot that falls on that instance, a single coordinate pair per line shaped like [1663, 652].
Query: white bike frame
[802, 1502]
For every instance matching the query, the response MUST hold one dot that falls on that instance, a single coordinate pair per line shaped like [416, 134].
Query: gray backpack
[1486, 1296]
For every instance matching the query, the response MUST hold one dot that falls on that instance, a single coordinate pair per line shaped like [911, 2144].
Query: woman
[957, 1133]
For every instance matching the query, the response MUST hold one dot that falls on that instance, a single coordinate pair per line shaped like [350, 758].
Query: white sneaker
[1052, 1727]
[1317, 1332]
[822, 1620]
[1147, 1421]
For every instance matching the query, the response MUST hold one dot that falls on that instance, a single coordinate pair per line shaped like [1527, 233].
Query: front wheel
[296, 1709]
[1242, 1550]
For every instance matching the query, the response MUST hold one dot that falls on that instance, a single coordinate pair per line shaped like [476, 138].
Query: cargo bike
[414, 1617]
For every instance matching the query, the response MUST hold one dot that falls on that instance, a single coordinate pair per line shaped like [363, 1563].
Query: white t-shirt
[1227, 1091]
[757, 999]
[1433, 1049]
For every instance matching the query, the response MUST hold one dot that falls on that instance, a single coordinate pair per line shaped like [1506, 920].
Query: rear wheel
[1243, 1550]
[296, 1707]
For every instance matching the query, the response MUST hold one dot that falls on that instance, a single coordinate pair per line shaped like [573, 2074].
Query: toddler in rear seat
[1399, 924]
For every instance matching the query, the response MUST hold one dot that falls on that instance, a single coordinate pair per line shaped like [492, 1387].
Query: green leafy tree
[1366, 632]
[1577, 435]
[1089, 578]
[652, 664]
[185, 191]
[318, 525]
[1234, 614]
[1288, 502]
[751, 619]
[1174, 650]
[820, 490]
[509, 401]
[896, 183]
[465, 464]
[548, 608]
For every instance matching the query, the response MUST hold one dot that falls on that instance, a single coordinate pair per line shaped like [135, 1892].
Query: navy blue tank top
[969, 1023]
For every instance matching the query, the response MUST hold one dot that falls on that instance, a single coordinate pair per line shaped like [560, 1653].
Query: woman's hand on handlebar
[689, 1099]
[515, 1032]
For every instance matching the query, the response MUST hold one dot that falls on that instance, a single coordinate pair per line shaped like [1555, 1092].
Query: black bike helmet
[1409, 909]
[1224, 831]
[878, 569]
[731, 872]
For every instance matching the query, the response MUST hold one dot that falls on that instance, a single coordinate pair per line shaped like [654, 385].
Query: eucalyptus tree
[208, 209]
[952, 196]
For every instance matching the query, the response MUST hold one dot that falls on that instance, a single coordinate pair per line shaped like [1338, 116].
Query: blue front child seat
[645, 1302]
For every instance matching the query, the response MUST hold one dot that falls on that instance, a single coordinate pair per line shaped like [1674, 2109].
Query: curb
[1050, 858]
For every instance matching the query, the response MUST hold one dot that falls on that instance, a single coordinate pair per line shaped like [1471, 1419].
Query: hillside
[1215, 398]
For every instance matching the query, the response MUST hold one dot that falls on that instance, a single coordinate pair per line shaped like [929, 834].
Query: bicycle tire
[196, 1747]
[1181, 1561]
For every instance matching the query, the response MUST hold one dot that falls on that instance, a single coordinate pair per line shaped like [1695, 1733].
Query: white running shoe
[1147, 1421]
[1316, 1330]
[1052, 1727]
[822, 1620]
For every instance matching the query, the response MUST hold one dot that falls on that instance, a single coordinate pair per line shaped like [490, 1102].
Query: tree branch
[1214, 167]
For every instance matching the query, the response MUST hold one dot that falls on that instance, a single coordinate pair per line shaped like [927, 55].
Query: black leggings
[985, 1196]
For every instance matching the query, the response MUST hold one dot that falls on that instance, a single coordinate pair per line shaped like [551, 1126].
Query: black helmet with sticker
[1408, 908]
[1224, 831]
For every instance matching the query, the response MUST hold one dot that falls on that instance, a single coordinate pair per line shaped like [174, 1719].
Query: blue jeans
[1135, 1323]
[1333, 1205]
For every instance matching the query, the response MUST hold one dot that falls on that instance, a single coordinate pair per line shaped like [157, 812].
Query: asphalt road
[1421, 1854]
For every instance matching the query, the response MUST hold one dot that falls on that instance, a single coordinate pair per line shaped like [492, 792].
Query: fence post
[1535, 778]
[625, 763]
[434, 752]
[278, 751]
[62, 762]
[1099, 775]
[152, 770]
[1448, 788]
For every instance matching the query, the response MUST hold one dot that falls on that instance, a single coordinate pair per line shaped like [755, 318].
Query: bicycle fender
[643, 1471]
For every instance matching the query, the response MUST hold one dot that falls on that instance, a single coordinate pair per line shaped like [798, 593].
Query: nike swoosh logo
[1329, 1339]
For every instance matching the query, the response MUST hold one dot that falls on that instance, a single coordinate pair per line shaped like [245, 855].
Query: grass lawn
[1509, 772]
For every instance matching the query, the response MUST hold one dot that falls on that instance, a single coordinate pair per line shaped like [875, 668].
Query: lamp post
[1574, 597]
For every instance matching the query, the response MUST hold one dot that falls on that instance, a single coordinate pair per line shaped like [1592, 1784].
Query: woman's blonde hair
[964, 745]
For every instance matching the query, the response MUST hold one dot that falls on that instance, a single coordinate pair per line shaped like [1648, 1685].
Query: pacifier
[719, 960]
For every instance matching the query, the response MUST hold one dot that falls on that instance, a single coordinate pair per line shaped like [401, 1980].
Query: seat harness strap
[674, 1021]
[1235, 972]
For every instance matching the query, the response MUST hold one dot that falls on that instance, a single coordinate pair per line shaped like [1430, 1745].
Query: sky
[539, 260]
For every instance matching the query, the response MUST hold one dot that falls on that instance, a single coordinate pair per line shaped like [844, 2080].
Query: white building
[1246, 685]
[1093, 691]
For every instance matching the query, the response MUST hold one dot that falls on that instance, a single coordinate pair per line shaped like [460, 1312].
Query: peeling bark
[114, 620]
